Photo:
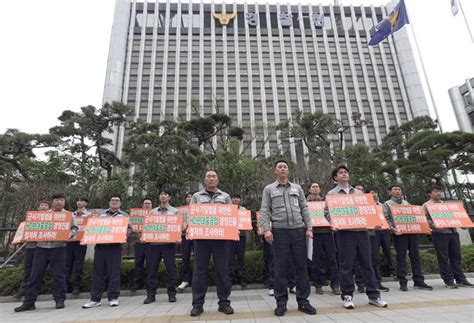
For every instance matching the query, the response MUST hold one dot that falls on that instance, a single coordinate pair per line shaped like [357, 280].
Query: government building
[261, 65]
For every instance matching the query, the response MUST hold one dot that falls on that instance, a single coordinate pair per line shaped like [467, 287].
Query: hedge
[10, 278]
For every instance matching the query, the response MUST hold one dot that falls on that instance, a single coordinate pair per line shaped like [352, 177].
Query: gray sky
[54, 55]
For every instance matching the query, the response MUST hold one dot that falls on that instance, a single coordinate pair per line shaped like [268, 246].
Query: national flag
[390, 24]
[454, 7]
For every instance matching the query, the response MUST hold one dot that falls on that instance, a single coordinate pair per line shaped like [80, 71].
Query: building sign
[252, 18]
[286, 19]
[224, 18]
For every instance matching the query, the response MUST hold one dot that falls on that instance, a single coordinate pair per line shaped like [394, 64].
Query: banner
[449, 215]
[47, 226]
[383, 221]
[183, 212]
[106, 229]
[213, 221]
[136, 219]
[352, 211]
[316, 212]
[245, 220]
[18, 238]
[410, 219]
[81, 222]
[164, 228]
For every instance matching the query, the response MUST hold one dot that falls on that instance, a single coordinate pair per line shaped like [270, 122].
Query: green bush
[10, 278]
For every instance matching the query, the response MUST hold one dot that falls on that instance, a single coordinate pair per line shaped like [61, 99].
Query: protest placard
[316, 212]
[164, 228]
[213, 221]
[105, 229]
[47, 226]
[352, 211]
[136, 218]
[383, 221]
[410, 219]
[245, 220]
[449, 215]
[81, 222]
[18, 238]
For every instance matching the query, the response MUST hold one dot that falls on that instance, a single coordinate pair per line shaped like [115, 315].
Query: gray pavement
[254, 305]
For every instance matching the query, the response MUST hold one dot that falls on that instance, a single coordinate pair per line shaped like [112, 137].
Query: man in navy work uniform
[76, 252]
[353, 244]
[156, 251]
[404, 243]
[203, 250]
[107, 260]
[237, 250]
[447, 246]
[287, 225]
[52, 253]
[140, 252]
[186, 248]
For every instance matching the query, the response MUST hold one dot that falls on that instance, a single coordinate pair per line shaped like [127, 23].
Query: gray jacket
[203, 197]
[58, 244]
[430, 220]
[339, 190]
[284, 206]
[165, 210]
[388, 213]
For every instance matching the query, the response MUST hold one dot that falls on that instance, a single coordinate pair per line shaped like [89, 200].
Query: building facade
[462, 99]
[261, 64]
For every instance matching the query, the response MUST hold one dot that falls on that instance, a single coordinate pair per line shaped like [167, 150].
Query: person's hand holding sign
[268, 237]
[309, 234]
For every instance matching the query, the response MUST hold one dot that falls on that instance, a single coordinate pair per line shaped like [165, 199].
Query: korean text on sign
[105, 230]
[136, 218]
[213, 221]
[449, 215]
[316, 212]
[162, 228]
[47, 226]
[409, 219]
[352, 211]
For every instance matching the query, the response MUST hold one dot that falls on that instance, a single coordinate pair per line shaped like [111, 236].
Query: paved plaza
[254, 305]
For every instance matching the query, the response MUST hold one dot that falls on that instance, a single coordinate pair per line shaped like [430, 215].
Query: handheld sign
[81, 222]
[410, 219]
[47, 226]
[352, 211]
[449, 215]
[383, 221]
[162, 228]
[105, 229]
[136, 218]
[18, 238]
[213, 221]
[183, 212]
[316, 212]
[245, 220]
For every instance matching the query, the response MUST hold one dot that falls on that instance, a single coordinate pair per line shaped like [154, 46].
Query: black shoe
[383, 288]
[465, 284]
[307, 308]
[450, 285]
[149, 300]
[25, 307]
[280, 310]
[361, 289]
[404, 288]
[423, 286]
[394, 276]
[196, 311]
[76, 291]
[60, 305]
[226, 309]
[172, 299]
[20, 293]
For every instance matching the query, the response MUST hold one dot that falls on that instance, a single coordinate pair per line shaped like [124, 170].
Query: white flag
[454, 7]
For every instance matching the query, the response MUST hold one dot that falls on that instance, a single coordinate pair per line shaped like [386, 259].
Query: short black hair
[82, 198]
[311, 184]
[335, 170]
[164, 190]
[147, 198]
[115, 195]
[433, 187]
[280, 161]
[210, 170]
[395, 185]
[368, 189]
[235, 195]
[43, 201]
[58, 196]
[360, 184]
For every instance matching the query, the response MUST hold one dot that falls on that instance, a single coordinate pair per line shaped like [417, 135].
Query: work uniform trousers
[154, 254]
[28, 264]
[107, 260]
[237, 259]
[75, 254]
[289, 245]
[203, 249]
[448, 252]
[138, 272]
[383, 240]
[186, 249]
[324, 252]
[355, 245]
[408, 243]
[375, 259]
[56, 259]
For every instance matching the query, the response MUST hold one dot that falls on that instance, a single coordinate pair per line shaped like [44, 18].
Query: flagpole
[465, 20]
[424, 71]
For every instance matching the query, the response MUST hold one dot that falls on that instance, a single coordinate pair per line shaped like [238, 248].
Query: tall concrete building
[462, 99]
[262, 64]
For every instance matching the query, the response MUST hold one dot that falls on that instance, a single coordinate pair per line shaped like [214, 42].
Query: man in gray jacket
[287, 225]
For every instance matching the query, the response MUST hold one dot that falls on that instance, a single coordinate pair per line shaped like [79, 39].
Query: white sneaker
[348, 302]
[271, 292]
[377, 302]
[91, 304]
[183, 285]
[114, 302]
[293, 290]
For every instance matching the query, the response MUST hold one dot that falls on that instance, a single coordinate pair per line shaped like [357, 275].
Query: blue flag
[390, 24]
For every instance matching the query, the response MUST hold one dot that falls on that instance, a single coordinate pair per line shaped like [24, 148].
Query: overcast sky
[54, 52]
